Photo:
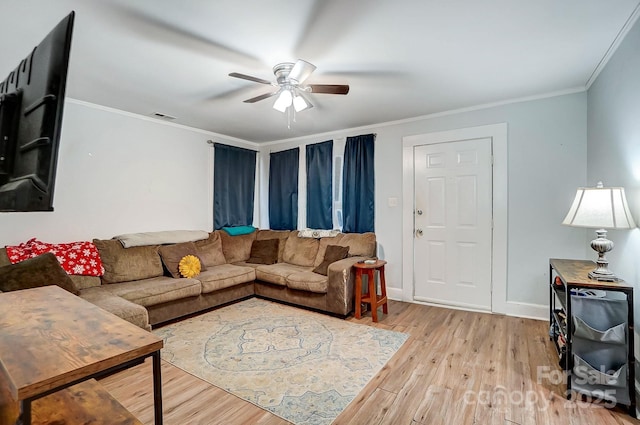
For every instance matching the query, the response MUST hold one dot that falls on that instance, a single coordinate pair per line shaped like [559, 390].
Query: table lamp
[600, 207]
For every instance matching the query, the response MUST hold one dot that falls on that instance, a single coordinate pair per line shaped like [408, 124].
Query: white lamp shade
[299, 103]
[284, 101]
[600, 207]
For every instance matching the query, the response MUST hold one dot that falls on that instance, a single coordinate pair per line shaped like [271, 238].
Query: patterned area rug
[303, 366]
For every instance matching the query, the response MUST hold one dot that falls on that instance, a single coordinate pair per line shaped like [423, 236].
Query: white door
[453, 218]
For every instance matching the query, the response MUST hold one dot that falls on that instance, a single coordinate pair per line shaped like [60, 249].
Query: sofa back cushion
[282, 235]
[236, 248]
[125, 264]
[360, 244]
[210, 250]
[300, 251]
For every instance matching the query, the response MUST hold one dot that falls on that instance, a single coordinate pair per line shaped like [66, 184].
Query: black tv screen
[31, 106]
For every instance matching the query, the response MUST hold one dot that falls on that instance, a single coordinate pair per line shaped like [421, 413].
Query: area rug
[302, 366]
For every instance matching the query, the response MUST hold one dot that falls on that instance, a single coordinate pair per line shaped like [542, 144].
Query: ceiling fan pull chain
[294, 112]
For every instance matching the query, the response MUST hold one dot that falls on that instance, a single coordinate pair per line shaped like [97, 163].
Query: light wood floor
[456, 368]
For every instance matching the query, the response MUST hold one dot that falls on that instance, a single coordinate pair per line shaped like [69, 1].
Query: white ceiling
[402, 58]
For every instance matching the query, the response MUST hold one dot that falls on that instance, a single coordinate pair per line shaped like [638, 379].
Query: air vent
[162, 116]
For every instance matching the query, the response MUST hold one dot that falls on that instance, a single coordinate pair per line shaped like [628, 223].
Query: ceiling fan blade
[134, 19]
[301, 71]
[329, 88]
[250, 78]
[341, 16]
[261, 97]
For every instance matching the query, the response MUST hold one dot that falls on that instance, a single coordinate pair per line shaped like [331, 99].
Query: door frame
[498, 135]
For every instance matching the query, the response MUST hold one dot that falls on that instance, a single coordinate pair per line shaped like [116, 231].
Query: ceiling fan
[290, 78]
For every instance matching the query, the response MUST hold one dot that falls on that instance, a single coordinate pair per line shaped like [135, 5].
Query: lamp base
[602, 245]
[596, 274]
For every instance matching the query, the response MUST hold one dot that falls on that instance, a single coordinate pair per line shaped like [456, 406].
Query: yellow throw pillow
[189, 266]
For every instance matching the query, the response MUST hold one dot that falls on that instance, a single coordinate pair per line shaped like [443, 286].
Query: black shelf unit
[568, 275]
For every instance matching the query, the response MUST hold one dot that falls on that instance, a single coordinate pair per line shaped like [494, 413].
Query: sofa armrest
[340, 285]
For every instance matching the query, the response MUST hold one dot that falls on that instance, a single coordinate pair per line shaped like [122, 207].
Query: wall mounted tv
[31, 104]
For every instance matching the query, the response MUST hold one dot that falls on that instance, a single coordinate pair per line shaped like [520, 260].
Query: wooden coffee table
[51, 340]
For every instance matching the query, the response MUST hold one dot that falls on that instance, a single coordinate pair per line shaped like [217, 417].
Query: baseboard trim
[513, 308]
[527, 310]
[395, 294]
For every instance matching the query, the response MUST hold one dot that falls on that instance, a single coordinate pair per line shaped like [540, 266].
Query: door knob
[419, 232]
[419, 212]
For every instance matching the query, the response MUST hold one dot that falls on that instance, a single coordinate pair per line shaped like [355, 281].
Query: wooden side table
[371, 297]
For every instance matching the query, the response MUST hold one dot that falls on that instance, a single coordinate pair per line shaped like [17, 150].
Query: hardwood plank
[371, 411]
[455, 362]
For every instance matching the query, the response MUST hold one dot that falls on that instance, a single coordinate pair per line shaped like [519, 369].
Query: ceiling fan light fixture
[299, 103]
[283, 101]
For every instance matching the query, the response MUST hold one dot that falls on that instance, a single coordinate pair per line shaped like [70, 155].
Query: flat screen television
[31, 106]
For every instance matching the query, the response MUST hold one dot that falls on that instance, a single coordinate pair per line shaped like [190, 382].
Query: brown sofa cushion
[225, 276]
[157, 290]
[300, 251]
[172, 254]
[122, 308]
[360, 244]
[264, 251]
[332, 253]
[308, 281]
[237, 248]
[42, 270]
[277, 273]
[210, 250]
[4, 259]
[125, 264]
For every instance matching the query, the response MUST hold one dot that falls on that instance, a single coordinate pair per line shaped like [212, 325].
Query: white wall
[121, 173]
[613, 153]
[547, 161]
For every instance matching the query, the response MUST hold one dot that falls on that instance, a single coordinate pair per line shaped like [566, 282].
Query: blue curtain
[358, 185]
[234, 177]
[319, 185]
[283, 189]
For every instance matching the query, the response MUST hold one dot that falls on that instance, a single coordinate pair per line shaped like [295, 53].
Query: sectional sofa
[138, 286]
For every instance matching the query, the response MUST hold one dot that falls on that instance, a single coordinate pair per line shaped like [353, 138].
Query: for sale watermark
[602, 395]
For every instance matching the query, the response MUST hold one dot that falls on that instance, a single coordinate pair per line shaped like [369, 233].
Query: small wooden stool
[371, 297]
